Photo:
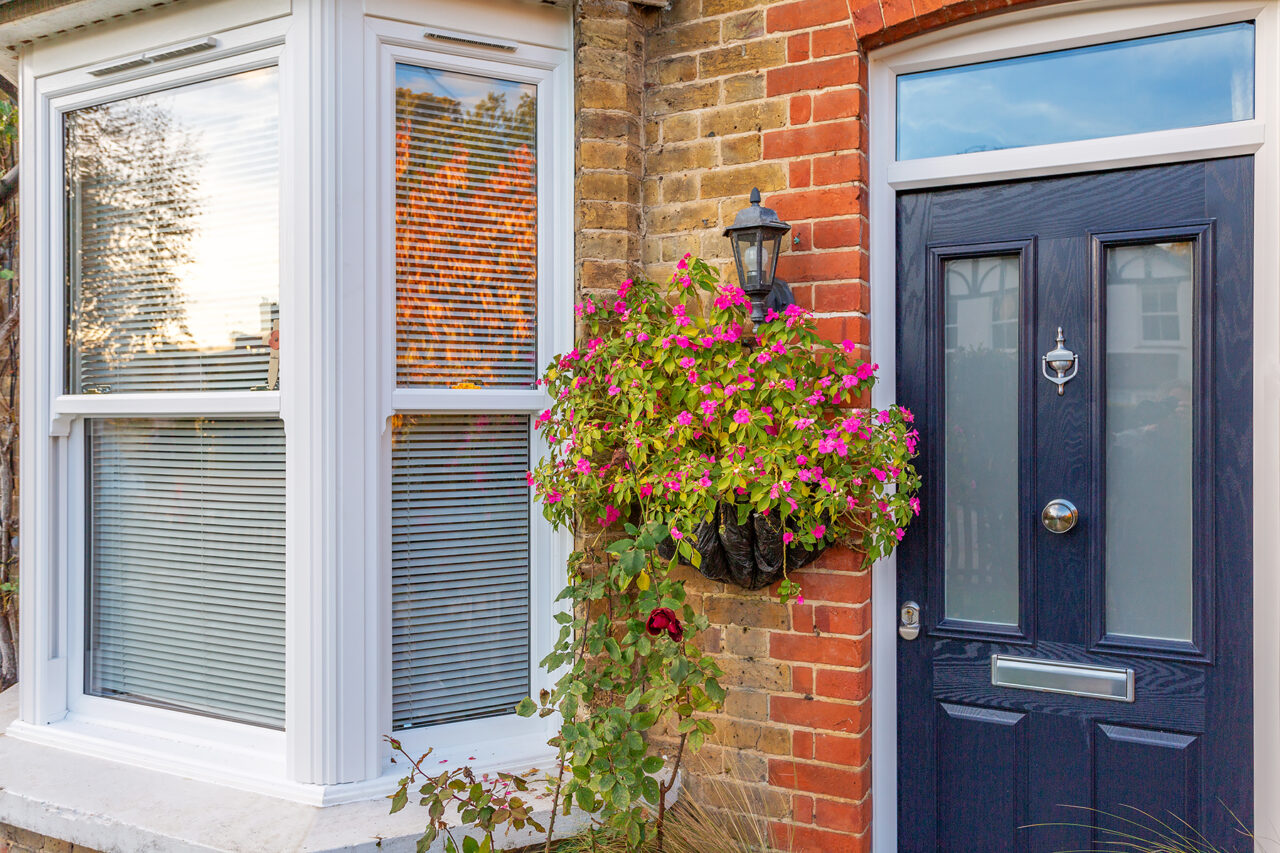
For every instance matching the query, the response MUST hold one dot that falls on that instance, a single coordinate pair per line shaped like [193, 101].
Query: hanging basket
[749, 555]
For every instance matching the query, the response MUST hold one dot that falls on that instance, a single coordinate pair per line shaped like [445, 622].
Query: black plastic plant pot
[749, 555]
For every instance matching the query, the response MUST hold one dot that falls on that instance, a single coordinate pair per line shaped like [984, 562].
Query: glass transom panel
[173, 260]
[1150, 294]
[1188, 79]
[466, 247]
[980, 375]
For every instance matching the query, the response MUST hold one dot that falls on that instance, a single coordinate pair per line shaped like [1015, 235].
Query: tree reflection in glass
[173, 239]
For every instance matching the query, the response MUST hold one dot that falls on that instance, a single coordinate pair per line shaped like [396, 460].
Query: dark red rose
[664, 619]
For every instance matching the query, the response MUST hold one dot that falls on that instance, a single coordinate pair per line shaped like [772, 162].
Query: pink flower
[528, 475]
[614, 390]
[676, 534]
[646, 490]
[819, 531]
[914, 503]
[899, 533]
[684, 419]
[849, 346]
[687, 362]
[799, 598]
[553, 496]
[611, 515]
[787, 537]
[708, 406]
[683, 263]
[742, 416]
[583, 467]
[624, 288]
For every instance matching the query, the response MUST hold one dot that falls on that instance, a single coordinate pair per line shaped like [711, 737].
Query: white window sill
[109, 806]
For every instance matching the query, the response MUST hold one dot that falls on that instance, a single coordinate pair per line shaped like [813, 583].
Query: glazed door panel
[1078, 355]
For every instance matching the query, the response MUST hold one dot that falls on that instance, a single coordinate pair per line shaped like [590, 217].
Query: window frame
[336, 399]
[488, 739]
[143, 733]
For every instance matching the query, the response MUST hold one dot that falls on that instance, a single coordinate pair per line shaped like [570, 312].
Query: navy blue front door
[1078, 354]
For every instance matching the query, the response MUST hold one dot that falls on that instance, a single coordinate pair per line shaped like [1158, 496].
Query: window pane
[460, 566]
[466, 230]
[186, 565]
[173, 239]
[1149, 408]
[1184, 79]
[981, 444]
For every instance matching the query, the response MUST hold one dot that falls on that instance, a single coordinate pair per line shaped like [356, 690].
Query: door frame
[1057, 27]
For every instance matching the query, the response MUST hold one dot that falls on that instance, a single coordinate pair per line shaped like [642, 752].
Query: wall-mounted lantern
[756, 236]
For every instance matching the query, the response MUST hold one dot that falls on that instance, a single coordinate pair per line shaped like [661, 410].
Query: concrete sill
[119, 808]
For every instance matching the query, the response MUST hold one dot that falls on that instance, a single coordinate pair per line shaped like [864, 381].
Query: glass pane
[460, 566]
[1150, 295]
[466, 230]
[186, 565]
[981, 445]
[173, 230]
[1184, 79]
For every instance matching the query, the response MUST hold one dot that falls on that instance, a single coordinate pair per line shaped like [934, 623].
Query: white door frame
[1054, 28]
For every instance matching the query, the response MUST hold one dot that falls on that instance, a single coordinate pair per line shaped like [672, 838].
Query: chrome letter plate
[1073, 679]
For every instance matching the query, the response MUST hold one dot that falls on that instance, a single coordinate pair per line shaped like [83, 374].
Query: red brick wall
[743, 93]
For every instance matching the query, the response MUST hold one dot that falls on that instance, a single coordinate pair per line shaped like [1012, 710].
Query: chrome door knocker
[1060, 360]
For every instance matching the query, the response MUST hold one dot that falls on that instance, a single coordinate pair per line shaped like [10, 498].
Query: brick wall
[751, 93]
[14, 840]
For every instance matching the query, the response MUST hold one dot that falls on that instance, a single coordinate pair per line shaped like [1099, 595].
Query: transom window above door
[1174, 80]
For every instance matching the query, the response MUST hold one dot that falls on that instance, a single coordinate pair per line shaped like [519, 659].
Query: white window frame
[1038, 30]
[337, 395]
[489, 741]
[53, 543]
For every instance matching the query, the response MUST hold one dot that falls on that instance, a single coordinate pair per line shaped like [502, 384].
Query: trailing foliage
[670, 407]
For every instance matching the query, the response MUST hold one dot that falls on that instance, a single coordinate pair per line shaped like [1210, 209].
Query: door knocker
[1060, 360]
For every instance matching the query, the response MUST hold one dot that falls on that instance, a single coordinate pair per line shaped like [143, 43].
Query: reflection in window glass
[1150, 291]
[173, 239]
[981, 443]
[466, 230]
[1184, 79]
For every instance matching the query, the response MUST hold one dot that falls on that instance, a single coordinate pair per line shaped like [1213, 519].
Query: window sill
[107, 805]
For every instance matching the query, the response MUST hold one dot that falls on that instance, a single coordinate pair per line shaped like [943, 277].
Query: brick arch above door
[881, 22]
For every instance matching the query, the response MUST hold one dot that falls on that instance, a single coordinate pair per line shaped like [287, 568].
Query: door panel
[980, 749]
[1148, 274]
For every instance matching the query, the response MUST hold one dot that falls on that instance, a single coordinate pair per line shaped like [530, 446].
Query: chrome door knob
[1059, 515]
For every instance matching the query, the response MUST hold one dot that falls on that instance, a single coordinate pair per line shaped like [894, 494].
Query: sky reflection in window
[1187, 79]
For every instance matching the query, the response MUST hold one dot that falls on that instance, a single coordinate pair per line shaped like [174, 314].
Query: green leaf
[527, 707]
[399, 800]
[470, 845]
[644, 720]
[651, 764]
[585, 799]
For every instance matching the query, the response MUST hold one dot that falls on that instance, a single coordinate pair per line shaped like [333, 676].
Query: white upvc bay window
[290, 272]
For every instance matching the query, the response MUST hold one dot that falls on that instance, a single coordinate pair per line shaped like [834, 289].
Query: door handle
[909, 620]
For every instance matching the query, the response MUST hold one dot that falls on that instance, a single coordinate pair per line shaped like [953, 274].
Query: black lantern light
[756, 236]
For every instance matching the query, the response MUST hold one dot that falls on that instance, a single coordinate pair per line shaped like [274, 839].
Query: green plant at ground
[672, 407]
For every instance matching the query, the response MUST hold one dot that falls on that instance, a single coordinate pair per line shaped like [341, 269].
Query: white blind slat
[460, 574]
[186, 564]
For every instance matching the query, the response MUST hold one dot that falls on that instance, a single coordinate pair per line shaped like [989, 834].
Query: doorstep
[118, 808]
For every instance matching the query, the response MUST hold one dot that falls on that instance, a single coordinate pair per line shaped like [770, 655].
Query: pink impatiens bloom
[742, 416]
[614, 390]
[676, 534]
[583, 467]
[611, 515]
[684, 419]
[646, 490]
[819, 531]
[787, 537]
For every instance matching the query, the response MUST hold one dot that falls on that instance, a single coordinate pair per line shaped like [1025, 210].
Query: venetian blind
[460, 566]
[186, 565]
[173, 250]
[466, 230]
